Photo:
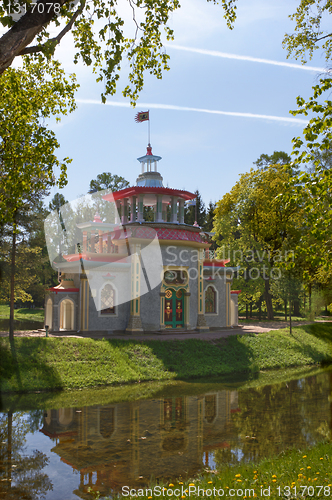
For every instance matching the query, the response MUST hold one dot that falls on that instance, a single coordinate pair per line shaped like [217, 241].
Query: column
[84, 320]
[181, 211]
[174, 208]
[140, 217]
[201, 322]
[100, 246]
[135, 323]
[118, 212]
[159, 208]
[124, 215]
[133, 209]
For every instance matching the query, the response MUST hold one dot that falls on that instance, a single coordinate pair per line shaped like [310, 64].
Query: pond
[183, 429]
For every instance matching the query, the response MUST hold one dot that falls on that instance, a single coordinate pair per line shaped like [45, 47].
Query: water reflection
[127, 443]
[21, 475]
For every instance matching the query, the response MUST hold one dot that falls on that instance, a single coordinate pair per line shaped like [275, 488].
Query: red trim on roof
[96, 257]
[215, 262]
[55, 289]
[236, 291]
[135, 190]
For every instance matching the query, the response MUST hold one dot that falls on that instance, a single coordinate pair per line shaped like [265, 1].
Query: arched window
[210, 300]
[107, 299]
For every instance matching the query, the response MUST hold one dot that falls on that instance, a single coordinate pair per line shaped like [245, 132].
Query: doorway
[174, 308]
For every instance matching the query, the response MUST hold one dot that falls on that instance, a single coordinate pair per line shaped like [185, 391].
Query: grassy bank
[66, 363]
[23, 313]
[293, 474]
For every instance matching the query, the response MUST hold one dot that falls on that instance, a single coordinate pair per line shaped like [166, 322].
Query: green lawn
[63, 363]
[22, 314]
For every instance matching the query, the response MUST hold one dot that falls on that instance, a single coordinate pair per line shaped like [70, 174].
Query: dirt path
[256, 327]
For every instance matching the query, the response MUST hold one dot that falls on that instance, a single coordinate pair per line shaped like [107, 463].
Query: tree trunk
[12, 285]
[251, 309]
[247, 312]
[296, 307]
[260, 309]
[285, 303]
[15, 40]
[309, 298]
[268, 300]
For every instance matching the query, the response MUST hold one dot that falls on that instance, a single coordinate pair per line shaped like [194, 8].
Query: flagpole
[149, 128]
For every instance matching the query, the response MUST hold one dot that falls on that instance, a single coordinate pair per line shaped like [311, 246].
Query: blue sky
[210, 112]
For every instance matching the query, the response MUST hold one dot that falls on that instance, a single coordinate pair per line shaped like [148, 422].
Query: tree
[27, 147]
[256, 225]
[277, 158]
[195, 213]
[108, 181]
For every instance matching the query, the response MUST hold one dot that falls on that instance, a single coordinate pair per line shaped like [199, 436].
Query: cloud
[225, 55]
[196, 110]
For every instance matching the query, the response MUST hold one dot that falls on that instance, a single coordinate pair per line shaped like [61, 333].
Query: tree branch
[322, 37]
[24, 31]
[56, 39]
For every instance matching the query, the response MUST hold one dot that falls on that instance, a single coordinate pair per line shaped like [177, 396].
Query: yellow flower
[309, 479]
[149, 497]
[170, 485]
[304, 456]
[180, 483]
[315, 479]
[317, 472]
[273, 480]
[238, 475]
[209, 482]
[301, 468]
[183, 496]
[274, 475]
[239, 480]
[308, 467]
[191, 484]
[321, 458]
[255, 471]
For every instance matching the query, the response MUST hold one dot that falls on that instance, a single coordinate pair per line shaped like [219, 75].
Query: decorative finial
[149, 150]
[97, 218]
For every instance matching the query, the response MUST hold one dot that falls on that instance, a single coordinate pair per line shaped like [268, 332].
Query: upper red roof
[136, 190]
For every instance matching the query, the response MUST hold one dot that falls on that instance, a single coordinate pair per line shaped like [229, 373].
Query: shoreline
[60, 363]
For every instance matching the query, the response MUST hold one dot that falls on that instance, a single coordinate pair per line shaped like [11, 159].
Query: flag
[142, 116]
[191, 203]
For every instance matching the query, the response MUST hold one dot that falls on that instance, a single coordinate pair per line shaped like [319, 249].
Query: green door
[174, 308]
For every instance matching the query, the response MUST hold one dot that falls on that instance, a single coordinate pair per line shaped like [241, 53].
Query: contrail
[225, 55]
[196, 110]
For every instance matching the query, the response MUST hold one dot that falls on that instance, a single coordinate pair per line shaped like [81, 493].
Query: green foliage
[29, 96]
[254, 227]
[191, 212]
[108, 181]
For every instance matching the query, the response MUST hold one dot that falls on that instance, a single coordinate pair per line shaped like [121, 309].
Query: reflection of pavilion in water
[127, 443]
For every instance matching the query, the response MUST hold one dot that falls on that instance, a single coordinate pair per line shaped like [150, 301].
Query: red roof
[215, 262]
[136, 190]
